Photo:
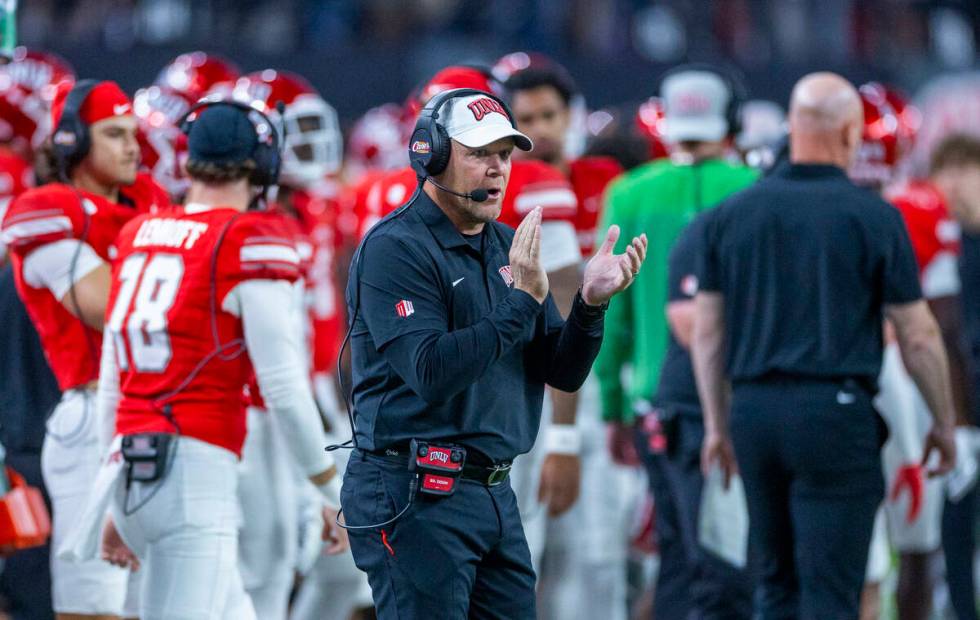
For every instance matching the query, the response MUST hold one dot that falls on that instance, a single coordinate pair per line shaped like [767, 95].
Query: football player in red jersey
[576, 577]
[935, 235]
[914, 506]
[27, 87]
[162, 145]
[202, 295]
[60, 237]
[196, 74]
[16, 176]
[271, 544]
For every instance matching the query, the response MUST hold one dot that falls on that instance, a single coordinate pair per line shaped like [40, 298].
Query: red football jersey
[322, 229]
[531, 184]
[175, 345]
[313, 226]
[16, 177]
[537, 184]
[589, 177]
[53, 213]
[934, 233]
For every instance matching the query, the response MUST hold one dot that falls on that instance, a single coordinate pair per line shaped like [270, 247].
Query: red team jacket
[52, 213]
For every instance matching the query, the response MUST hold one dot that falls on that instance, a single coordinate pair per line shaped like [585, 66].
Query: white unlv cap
[478, 120]
[695, 106]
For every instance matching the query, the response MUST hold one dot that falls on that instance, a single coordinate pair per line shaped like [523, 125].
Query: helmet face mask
[314, 145]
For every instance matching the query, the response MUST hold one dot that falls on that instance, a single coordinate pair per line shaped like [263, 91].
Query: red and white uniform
[934, 233]
[935, 240]
[199, 297]
[161, 317]
[41, 228]
[322, 234]
[16, 176]
[589, 177]
[57, 235]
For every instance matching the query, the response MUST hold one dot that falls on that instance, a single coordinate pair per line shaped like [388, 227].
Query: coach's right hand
[525, 257]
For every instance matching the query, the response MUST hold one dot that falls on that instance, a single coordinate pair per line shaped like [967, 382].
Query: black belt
[487, 475]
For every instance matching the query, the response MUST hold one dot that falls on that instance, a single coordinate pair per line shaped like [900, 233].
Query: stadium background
[361, 53]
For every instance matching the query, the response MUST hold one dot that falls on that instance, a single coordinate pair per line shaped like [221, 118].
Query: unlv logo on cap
[506, 275]
[481, 107]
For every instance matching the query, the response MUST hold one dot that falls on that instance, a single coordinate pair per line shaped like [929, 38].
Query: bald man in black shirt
[796, 277]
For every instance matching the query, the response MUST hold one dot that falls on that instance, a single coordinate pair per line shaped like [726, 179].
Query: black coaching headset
[736, 89]
[71, 139]
[266, 154]
[430, 145]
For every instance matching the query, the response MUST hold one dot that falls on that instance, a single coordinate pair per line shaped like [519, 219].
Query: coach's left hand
[608, 273]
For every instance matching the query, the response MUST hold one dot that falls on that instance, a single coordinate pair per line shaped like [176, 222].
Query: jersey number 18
[153, 283]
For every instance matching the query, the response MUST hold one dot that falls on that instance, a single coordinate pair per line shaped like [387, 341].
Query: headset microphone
[477, 195]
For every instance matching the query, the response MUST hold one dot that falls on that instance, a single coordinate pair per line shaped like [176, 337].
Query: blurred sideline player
[61, 239]
[273, 544]
[31, 390]
[163, 146]
[913, 522]
[159, 107]
[27, 87]
[201, 295]
[882, 147]
[655, 414]
[580, 574]
[955, 172]
[763, 133]
[196, 74]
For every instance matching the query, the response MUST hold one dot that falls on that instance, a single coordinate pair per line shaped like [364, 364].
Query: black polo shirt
[677, 388]
[443, 348]
[805, 260]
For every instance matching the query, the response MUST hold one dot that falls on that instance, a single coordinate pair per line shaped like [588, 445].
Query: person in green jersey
[653, 411]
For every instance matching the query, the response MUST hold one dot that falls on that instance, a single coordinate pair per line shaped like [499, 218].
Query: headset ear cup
[420, 149]
[442, 148]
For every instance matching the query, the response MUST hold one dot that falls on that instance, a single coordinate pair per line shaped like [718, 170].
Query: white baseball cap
[478, 120]
[695, 106]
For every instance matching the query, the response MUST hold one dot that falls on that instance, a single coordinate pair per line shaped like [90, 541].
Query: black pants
[692, 582]
[462, 556]
[809, 455]
[25, 582]
[959, 546]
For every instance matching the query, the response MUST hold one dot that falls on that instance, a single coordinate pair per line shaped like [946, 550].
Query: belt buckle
[498, 475]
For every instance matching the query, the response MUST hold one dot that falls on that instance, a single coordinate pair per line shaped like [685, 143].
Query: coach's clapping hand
[525, 257]
[608, 273]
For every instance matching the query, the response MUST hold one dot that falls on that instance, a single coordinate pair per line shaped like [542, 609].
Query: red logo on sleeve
[404, 308]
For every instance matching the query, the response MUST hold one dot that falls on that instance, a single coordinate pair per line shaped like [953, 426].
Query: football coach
[799, 273]
[453, 338]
